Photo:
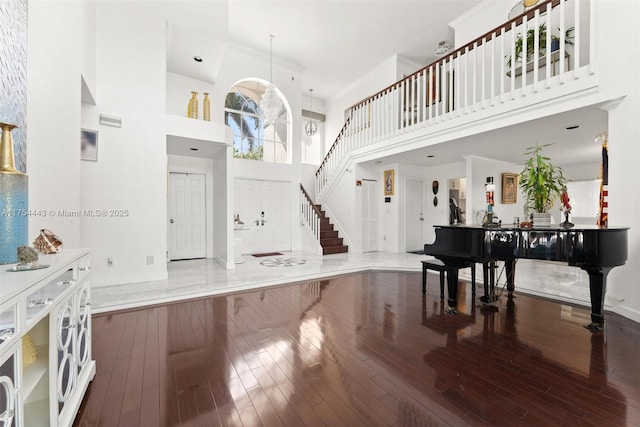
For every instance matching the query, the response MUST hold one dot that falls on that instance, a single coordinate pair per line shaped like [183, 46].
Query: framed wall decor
[509, 188]
[389, 182]
[89, 145]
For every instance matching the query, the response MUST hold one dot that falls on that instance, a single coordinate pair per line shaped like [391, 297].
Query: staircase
[473, 83]
[329, 240]
[318, 224]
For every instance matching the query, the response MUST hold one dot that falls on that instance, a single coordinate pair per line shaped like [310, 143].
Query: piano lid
[549, 228]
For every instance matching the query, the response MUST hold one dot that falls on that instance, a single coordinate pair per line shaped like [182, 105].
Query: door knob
[171, 221]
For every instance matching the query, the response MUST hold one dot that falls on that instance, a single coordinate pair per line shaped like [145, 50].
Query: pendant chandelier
[271, 104]
[311, 127]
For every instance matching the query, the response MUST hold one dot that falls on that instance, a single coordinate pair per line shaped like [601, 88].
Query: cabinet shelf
[35, 372]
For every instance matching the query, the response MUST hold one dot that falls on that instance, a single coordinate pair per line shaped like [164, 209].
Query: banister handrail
[488, 36]
[342, 131]
[306, 195]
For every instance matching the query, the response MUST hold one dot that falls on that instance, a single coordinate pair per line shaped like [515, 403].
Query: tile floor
[198, 278]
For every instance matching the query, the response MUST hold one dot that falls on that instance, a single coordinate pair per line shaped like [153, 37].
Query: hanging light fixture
[521, 7]
[311, 127]
[444, 47]
[271, 104]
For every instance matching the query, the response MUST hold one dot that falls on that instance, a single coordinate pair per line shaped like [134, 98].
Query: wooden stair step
[335, 250]
[332, 241]
[328, 234]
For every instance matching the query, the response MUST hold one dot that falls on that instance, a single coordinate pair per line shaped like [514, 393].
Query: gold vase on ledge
[206, 107]
[14, 200]
[192, 109]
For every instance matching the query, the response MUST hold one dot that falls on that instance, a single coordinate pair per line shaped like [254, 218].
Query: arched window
[253, 137]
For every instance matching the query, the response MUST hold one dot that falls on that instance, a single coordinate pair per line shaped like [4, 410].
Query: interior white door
[369, 216]
[275, 216]
[187, 216]
[414, 211]
[265, 209]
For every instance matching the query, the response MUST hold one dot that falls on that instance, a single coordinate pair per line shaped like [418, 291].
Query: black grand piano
[594, 249]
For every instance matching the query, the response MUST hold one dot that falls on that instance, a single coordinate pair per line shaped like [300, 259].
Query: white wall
[438, 215]
[223, 208]
[478, 169]
[618, 77]
[179, 90]
[55, 61]
[313, 147]
[131, 171]
[194, 165]
[374, 81]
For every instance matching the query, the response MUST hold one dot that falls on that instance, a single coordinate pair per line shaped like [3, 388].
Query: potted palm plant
[542, 43]
[541, 183]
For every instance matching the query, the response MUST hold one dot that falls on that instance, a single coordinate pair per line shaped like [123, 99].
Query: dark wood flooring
[361, 350]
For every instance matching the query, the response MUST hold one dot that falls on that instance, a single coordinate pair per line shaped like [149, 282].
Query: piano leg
[489, 278]
[597, 288]
[452, 289]
[510, 270]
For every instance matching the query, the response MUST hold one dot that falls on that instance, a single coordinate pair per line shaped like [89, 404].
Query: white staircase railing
[310, 215]
[546, 47]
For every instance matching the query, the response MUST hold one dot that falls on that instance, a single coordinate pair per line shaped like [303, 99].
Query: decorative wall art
[89, 145]
[13, 115]
[389, 182]
[13, 75]
[509, 188]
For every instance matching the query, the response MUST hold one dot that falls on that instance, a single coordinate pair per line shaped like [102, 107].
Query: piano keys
[594, 249]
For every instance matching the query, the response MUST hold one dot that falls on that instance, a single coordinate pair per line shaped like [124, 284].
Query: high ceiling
[332, 42]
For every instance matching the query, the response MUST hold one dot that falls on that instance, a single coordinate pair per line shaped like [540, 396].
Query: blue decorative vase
[14, 201]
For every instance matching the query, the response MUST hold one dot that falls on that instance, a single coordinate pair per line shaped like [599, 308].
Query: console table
[45, 341]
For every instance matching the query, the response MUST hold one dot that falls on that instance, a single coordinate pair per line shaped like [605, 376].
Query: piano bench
[437, 265]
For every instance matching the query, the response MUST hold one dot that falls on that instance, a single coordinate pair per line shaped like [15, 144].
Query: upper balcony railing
[546, 47]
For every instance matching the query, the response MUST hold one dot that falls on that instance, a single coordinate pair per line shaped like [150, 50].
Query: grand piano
[594, 249]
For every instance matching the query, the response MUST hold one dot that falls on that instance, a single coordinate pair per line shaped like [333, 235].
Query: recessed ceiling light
[572, 127]
[193, 149]
[430, 156]
[197, 59]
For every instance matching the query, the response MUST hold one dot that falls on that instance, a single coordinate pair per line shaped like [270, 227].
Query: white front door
[265, 209]
[187, 216]
[369, 216]
[414, 211]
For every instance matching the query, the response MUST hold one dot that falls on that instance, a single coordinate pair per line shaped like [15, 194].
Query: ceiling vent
[110, 121]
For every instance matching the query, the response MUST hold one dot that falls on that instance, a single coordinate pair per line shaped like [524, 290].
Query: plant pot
[541, 219]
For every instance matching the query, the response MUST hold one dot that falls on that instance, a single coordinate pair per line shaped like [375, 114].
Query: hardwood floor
[361, 350]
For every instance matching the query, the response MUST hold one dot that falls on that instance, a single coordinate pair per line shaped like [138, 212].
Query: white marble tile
[197, 278]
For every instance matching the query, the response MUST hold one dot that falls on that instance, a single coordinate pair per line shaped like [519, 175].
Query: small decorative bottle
[206, 107]
[192, 109]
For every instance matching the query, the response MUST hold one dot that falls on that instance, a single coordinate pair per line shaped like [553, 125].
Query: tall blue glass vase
[14, 201]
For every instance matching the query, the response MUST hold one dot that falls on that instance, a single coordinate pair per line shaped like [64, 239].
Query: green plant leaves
[540, 181]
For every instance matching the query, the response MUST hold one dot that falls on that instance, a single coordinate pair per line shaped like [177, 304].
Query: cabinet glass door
[66, 378]
[8, 395]
[83, 327]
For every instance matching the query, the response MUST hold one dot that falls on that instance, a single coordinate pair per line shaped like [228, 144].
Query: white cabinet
[45, 341]
[9, 386]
